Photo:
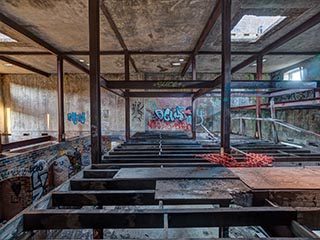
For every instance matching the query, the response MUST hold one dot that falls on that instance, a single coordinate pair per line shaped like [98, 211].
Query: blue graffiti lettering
[75, 118]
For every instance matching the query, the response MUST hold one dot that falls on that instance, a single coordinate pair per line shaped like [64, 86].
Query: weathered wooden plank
[280, 177]
[175, 173]
[153, 218]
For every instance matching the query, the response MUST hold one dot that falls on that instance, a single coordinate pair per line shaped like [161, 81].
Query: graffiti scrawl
[39, 176]
[137, 110]
[77, 118]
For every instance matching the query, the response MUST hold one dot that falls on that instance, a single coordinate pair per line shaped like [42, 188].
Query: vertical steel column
[194, 119]
[193, 102]
[127, 99]
[259, 71]
[60, 75]
[95, 98]
[226, 77]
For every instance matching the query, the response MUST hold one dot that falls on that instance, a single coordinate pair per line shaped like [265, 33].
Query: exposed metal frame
[95, 88]
[225, 78]
[115, 29]
[205, 32]
[60, 80]
[24, 66]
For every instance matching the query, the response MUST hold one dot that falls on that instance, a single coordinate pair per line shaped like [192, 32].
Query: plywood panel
[280, 177]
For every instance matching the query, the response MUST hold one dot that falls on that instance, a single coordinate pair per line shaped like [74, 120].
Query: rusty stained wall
[32, 97]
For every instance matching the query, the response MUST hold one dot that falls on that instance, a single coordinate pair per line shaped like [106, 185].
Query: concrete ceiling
[151, 25]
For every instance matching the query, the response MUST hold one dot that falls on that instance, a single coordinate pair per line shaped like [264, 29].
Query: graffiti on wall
[137, 110]
[77, 117]
[62, 170]
[39, 176]
[174, 118]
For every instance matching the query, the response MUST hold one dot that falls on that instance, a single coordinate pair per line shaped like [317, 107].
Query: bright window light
[250, 27]
[5, 38]
[295, 74]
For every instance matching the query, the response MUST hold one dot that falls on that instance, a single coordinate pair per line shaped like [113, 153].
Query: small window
[250, 27]
[5, 38]
[295, 74]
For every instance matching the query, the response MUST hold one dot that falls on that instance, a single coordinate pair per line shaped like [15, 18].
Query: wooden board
[221, 189]
[175, 173]
[280, 177]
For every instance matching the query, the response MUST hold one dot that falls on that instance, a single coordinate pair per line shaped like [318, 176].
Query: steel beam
[137, 84]
[153, 218]
[24, 66]
[282, 40]
[127, 98]
[95, 95]
[44, 44]
[76, 53]
[159, 94]
[205, 32]
[259, 71]
[193, 104]
[226, 77]
[115, 29]
[60, 75]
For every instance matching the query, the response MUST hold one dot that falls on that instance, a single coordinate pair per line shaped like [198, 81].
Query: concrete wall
[308, 119]
[32, 100]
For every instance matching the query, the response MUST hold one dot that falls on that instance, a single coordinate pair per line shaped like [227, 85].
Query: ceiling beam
[137, 84]
[24, 66]
[159, 94]
[282, 40]
[75, 53]
[22, 30]
[209, 84]
[209, 25]
[115, 29]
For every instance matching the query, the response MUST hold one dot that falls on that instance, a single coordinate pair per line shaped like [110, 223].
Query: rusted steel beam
[137, 84]
[23, 143]
[128, 197]
[127, 98]
[115, 29]
[66, 53]
[24, 66]
[60, 75]
[159, 94]
[95, 95]
[205, 32]
[153, 218]
[259, 71]
[39, 41]
[194, 119]
[226, 77]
